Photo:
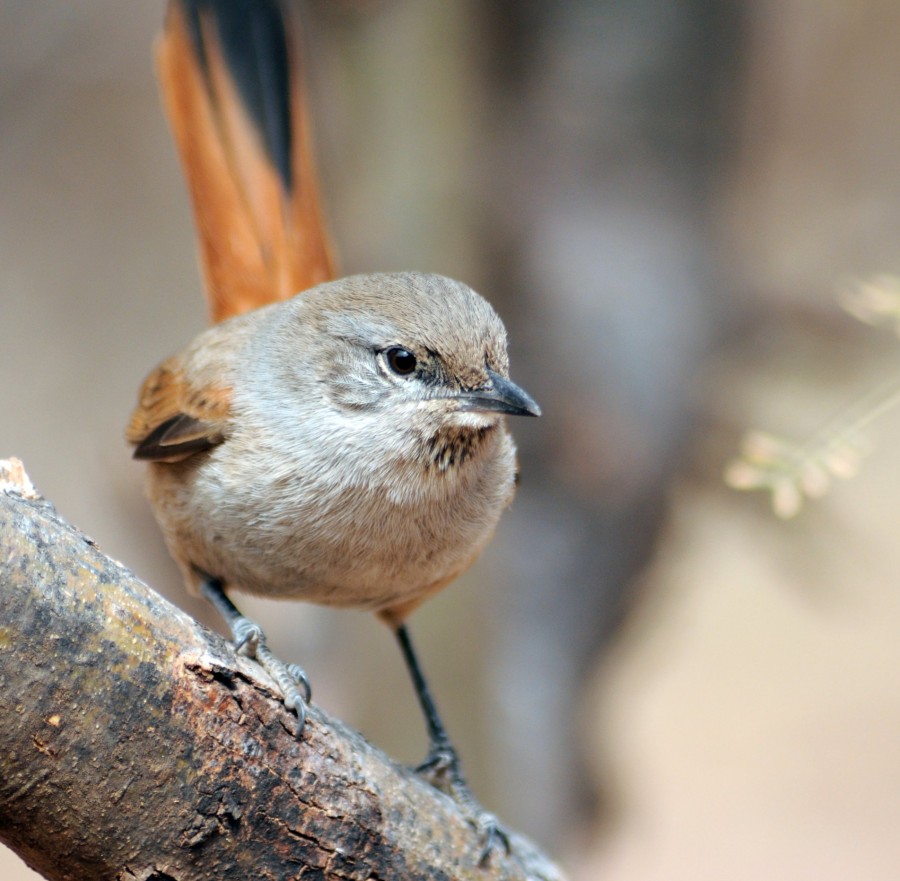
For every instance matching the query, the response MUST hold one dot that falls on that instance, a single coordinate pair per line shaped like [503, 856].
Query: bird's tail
[232, 89]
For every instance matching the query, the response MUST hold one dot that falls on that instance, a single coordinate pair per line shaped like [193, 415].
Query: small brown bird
[346, 446]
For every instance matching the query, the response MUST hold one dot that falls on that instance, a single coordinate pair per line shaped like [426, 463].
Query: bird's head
[413, 346]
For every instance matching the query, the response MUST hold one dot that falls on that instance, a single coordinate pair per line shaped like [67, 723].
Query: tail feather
[231, 86]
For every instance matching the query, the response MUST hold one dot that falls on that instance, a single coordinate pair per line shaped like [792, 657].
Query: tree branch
[134, 744]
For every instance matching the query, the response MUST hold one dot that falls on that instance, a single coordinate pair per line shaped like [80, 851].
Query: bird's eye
[400, 360]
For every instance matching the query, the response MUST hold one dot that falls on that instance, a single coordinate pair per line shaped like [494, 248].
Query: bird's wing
[173, 420]
[232, 90]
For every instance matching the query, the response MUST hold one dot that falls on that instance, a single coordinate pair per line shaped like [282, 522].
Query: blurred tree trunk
[608, 126]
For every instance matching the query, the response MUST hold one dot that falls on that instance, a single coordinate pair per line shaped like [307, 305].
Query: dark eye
[400, 360]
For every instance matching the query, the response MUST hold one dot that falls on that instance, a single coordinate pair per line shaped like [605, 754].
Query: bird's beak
[500, 396]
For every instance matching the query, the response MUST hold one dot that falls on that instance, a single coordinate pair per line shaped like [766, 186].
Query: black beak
[501, 396]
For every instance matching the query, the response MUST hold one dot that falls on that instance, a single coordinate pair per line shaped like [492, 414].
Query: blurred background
[647, 672]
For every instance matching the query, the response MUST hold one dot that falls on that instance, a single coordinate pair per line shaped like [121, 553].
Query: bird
[341, 441]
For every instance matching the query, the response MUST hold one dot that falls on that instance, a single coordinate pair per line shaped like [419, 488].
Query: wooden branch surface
[134, 744]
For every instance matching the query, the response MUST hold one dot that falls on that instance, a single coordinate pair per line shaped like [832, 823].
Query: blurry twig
[874, 300]
[792, 470]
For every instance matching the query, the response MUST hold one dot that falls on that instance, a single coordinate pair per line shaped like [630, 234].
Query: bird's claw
[249, 638]
[247, 635]
[285, 679]
[441, 764]
[298, 674]
[493, 835]
[442, 770]
[290, 678]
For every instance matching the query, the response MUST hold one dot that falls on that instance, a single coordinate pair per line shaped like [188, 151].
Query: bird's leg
[442, 766]
[249, 637]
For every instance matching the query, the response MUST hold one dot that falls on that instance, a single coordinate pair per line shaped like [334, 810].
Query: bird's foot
[249, 638]
[442, 770]
[290, 678]
[441, 767]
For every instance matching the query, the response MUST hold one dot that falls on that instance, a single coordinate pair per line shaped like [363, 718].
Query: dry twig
[134, 744]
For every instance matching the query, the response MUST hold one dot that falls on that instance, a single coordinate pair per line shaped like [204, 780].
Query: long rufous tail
[232, 89]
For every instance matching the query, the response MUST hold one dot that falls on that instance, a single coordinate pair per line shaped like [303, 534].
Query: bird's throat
[451, 446]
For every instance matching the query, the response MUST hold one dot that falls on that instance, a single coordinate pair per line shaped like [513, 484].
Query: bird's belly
[358, 547]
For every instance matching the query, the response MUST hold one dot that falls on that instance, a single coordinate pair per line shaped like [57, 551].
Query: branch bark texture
[135, 744]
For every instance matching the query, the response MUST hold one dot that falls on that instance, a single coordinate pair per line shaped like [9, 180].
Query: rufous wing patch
[173, 420]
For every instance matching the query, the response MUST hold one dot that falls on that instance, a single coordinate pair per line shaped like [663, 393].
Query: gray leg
[442, 765]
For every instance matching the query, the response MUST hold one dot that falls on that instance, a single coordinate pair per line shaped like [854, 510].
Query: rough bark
[134, 744]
